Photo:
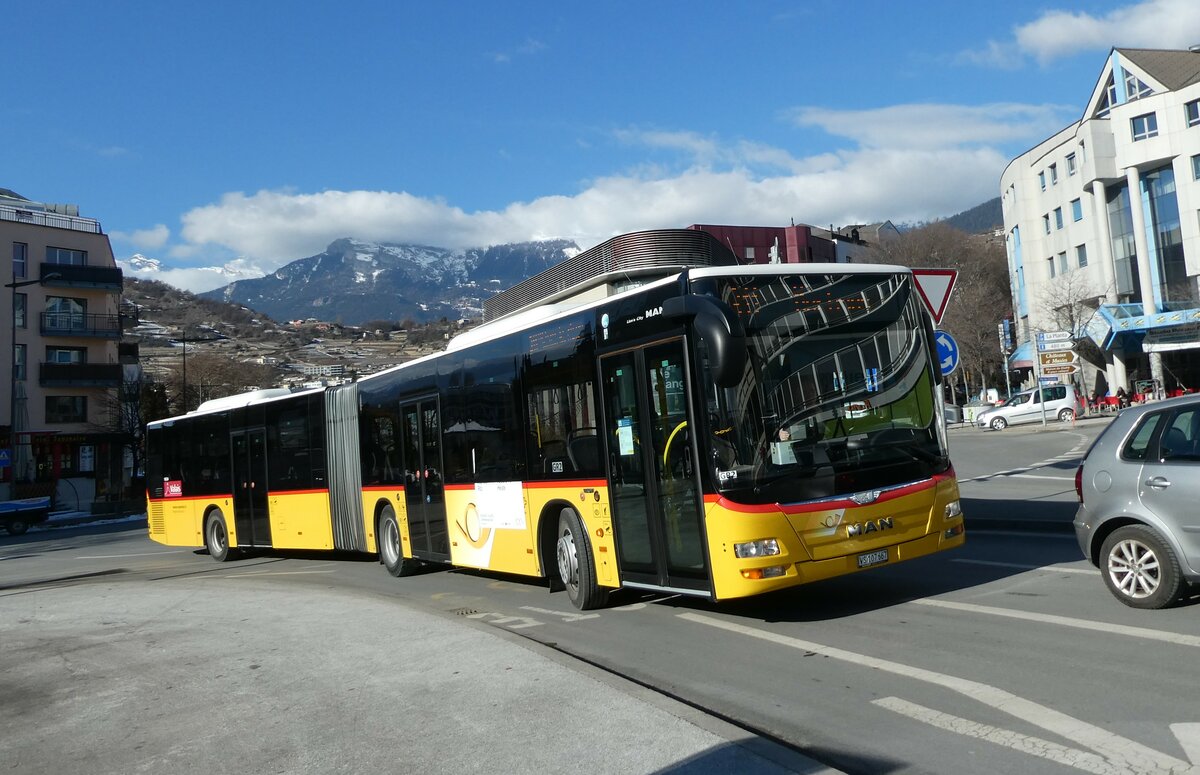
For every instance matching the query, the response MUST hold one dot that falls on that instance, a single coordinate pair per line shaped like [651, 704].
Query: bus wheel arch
[216, 535]
[547, 539]
[387, 541]
[576, 564]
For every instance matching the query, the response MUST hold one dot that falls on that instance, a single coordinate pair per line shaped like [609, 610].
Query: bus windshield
[839, 395]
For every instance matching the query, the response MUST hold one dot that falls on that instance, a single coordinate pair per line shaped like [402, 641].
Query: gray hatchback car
[1139, 502]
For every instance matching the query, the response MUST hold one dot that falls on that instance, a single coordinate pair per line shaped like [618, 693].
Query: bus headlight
[953, 509]
[765, 547]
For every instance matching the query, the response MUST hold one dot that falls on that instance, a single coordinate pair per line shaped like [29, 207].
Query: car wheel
[17, 526]
[1066, 415]
[999, 423]
[1140, 569]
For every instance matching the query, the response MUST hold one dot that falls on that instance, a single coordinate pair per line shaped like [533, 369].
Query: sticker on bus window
[173, 488]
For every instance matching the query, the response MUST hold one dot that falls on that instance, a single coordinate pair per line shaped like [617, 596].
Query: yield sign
[934, 287]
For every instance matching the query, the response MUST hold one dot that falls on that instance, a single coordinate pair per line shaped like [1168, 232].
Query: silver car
[1055, 402]
[1139, 502]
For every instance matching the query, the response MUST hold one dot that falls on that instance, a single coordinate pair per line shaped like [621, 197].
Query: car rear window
[1138, 445]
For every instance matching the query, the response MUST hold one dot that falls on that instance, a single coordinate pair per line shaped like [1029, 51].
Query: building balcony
[39, 217]
[80, 374]
[108, 278]
[72, 324]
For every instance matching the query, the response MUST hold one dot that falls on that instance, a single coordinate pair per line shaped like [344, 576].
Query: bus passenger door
[421, 439]
[250, 515]
[657, 503]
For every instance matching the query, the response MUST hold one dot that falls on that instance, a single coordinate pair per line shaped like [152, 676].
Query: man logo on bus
[870, 526]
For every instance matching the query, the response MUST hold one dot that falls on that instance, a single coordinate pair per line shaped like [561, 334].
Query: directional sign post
[1057, 357]
[947, 352]
[1060, 370]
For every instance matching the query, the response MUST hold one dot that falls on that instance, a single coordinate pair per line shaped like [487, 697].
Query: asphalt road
[1008, 655]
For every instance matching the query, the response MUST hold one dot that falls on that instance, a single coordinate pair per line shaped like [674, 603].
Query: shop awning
[1022, 357]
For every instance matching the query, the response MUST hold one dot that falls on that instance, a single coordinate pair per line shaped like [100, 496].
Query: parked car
[1061, 403]
[1138, 488]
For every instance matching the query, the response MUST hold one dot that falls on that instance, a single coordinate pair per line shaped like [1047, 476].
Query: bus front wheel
[576, 568]
[390, 553]
[216, 536]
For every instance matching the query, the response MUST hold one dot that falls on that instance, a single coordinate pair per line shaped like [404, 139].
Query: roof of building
[10, 194]
[1172, 68]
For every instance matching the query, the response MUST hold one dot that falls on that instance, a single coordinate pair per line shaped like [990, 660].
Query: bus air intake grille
[158, 524]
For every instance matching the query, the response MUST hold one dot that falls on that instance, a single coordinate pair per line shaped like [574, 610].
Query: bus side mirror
[718, 325]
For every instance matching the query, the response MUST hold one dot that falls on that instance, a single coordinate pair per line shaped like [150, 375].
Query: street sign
[1061, 356]
[4, 459]
[934, 287]
[947, 352]
[1059, 369]
[1049, 346]
[1053, 336]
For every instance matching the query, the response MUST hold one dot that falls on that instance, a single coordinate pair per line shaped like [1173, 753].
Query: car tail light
[1079, 482]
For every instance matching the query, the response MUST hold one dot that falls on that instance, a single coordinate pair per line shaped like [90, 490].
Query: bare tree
[213, 375]
[981, 298]
[1069, 303]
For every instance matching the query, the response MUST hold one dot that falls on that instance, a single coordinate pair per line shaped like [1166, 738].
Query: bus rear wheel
[575, 565]
[390, 553]
[216, 537]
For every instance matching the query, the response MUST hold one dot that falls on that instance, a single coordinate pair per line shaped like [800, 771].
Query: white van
[1061, 403]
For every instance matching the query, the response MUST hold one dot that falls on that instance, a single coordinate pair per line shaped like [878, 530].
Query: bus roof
[238, 401]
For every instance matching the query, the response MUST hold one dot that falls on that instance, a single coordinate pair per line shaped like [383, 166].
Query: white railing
[55, 220]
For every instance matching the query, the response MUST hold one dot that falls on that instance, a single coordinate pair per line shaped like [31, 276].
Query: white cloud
[1170, 24]
[933, 126]
[904, 163]
[144, 239]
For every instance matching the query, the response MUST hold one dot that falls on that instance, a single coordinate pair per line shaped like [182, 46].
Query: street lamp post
[12, 386]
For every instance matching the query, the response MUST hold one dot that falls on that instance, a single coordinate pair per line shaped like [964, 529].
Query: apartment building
[1102, 225]
[62, 385]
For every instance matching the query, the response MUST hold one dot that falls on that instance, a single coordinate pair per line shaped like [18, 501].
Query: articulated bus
[648, 415]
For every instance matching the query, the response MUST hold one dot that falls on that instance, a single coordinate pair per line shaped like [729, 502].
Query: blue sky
[256, 133]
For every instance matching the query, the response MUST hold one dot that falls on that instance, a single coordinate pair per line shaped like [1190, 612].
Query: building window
[1192, 112]
[1196, 166]
[1082, 151]
[60, 409]
[1062, 262]
[1042, 179]
[20, 301]
[1076, 210]
[1046, 223]
[1070, 164]
[1058, 221]
[63, 312]
[20, 254]
[1144, 126]
[66, 355]
[1081, 255]
[1054, 174]
[749, 252]
[19, 362]
[1051, 262]
[66, 256]
[1135, 88]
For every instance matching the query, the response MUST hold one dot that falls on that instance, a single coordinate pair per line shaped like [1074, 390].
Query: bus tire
[575, 565]
[390, 553]
[216, 537]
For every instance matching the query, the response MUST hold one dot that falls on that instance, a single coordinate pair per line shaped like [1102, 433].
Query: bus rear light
[764, 547]
[953, 509]
[775, 571]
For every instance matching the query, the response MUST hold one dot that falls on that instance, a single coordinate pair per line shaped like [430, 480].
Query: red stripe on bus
[568, 483]
[190, 498]
[838, 503]
[383, 488]
[298, 492]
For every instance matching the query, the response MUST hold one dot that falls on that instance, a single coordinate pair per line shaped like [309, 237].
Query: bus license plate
[872, 558]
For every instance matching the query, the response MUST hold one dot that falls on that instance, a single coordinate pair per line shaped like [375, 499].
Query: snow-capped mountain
[196, 279]
[355, 281]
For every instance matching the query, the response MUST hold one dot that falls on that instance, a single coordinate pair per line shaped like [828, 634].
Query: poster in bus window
[625, 436]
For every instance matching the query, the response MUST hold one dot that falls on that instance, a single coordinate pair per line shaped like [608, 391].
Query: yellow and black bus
[650, 415]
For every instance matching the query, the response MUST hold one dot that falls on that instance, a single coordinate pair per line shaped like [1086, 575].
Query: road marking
[1040, 476]
[522, 622]
[1034, 746]
[139, 554]
[1066, 621]
[566, 616]
[1129, 754]
[1055, 568]
[251, 574]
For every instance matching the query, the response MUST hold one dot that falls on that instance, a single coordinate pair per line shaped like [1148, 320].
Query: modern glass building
[1103, 227]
